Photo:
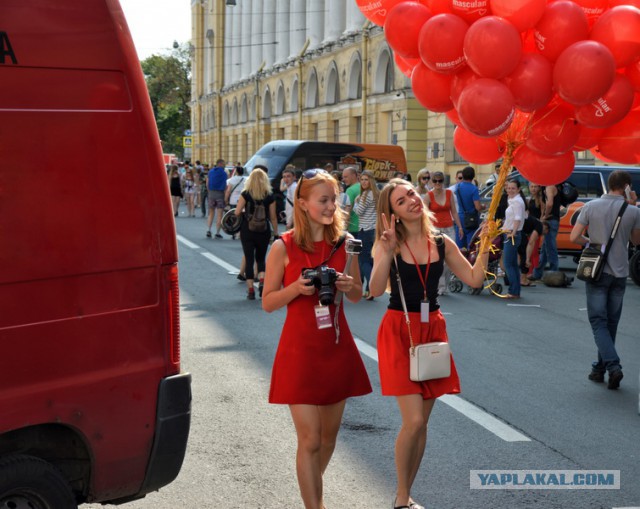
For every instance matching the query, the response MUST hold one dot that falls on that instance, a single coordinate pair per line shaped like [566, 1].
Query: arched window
[280, 99]
[333, 86]
[355, 77]
[225, 114]
[244, 110]
[311, 100]
[266, 104]
[384, 75]
[293, 102]
[234, 112]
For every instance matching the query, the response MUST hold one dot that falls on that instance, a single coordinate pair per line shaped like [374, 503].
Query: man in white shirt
[288, 186]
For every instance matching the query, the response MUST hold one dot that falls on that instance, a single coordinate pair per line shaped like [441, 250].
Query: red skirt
[393, 355]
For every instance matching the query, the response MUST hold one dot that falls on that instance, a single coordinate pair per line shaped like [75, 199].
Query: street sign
[187, 141]
[187, 132]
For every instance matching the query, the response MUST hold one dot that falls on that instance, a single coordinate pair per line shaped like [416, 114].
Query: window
[336, 130]
[589, 184]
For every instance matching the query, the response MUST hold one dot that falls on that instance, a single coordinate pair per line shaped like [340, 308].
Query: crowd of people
[410, 238]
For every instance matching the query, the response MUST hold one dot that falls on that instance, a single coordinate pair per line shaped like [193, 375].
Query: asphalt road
[523, 367]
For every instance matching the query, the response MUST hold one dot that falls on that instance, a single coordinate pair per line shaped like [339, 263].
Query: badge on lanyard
[424, 303]
[323, 317]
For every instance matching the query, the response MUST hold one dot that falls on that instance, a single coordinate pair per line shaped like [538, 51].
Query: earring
[397, 219]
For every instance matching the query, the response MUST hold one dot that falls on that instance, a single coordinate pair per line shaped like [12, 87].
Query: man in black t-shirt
[550, 216]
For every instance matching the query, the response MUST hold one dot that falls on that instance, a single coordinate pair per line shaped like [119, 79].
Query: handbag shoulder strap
[614, 230]
[404, 303]
[460, 197]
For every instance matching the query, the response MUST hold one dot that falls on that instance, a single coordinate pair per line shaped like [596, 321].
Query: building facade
[304, 69]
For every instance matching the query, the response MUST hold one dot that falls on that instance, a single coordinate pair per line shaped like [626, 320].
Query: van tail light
[173, 303]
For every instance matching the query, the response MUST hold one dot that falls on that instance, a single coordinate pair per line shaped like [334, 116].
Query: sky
[155, 24]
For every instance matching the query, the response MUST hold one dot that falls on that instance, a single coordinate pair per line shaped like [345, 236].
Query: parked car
[591, 182]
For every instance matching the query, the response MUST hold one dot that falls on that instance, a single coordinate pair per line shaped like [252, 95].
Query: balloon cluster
[528, 80]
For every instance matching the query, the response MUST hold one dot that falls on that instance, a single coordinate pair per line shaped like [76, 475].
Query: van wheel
[634, 267]
[27, 482]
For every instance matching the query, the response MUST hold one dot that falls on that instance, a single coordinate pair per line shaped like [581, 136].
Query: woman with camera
[407, 243]
[317, 365]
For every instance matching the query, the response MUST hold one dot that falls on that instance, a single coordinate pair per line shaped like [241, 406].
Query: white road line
[469, 410]
[222, 263]
[487, 421]
[187, 242]
[525, 305]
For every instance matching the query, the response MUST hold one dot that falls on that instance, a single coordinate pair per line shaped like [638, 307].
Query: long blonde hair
[384, 207]
[258, 185]
[373, 188]
[302, 235]
[421, 188]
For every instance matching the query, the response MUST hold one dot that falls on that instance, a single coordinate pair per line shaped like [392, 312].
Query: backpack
[258, 218]
[567, 192]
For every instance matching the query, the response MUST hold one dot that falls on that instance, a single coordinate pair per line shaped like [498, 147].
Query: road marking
[469, 410]
[489, 422]
[525, 305]
[187, 242]
[222, 263]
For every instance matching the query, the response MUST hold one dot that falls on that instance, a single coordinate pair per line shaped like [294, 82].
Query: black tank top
[555, 209]
[411, 284]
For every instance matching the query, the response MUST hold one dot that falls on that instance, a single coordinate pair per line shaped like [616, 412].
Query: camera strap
[336, 246]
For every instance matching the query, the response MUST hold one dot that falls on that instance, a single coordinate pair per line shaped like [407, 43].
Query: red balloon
[439, 6]
[542, 169]
[376, 10]
[524, 14]
[619, 30]
[583, 72]
[475, 149]
[593, 8]
[493, 47]
[531, 83]
[486, 107]
[554, 130]
[453, 116]
[614, 3]
[562, 24]
[471, 11]
[596, 152]
[588, 138]
[440, 43]
[405, 65]
[432, 89]
[610, 108]
[621, 142]
[459, 83]
[402, 27]
[633, 73]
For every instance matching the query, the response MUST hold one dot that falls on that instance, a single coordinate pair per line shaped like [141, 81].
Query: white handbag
[427, 361]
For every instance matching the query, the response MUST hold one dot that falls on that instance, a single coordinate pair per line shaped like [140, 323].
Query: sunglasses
[425, 178]
[437, 181]
[309, 174]
[459, 178]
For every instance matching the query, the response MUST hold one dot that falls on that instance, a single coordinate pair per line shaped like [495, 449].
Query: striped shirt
[366, 211]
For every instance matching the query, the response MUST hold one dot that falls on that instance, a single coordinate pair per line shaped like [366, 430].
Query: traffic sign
[187, 141]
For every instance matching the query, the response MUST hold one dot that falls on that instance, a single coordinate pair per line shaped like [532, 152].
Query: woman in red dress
[317, 365]
[404, 230]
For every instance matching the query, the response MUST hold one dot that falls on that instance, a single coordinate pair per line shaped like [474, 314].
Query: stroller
[455, 285]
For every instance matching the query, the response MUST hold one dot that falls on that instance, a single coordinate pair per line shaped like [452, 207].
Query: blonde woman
[365, 208]
[255, 240]
[404, 231]
[423, 182]
[441, 202]
[317, 365]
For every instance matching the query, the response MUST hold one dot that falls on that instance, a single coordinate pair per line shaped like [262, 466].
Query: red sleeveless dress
[310, 367]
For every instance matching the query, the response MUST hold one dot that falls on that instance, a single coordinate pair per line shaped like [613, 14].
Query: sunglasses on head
[437, 181]
[309, 174]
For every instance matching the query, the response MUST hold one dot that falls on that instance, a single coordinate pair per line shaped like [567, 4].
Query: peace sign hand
[388, 240]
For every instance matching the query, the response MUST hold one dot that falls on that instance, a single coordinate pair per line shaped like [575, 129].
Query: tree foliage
[168, 80]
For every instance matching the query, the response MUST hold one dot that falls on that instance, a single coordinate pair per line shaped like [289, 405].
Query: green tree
[168, 80]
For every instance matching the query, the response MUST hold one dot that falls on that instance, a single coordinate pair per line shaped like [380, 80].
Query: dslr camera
[324, 279]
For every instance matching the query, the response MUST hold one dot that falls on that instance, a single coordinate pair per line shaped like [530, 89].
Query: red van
[93, 404]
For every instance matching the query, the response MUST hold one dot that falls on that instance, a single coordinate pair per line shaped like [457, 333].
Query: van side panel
[86, 230]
